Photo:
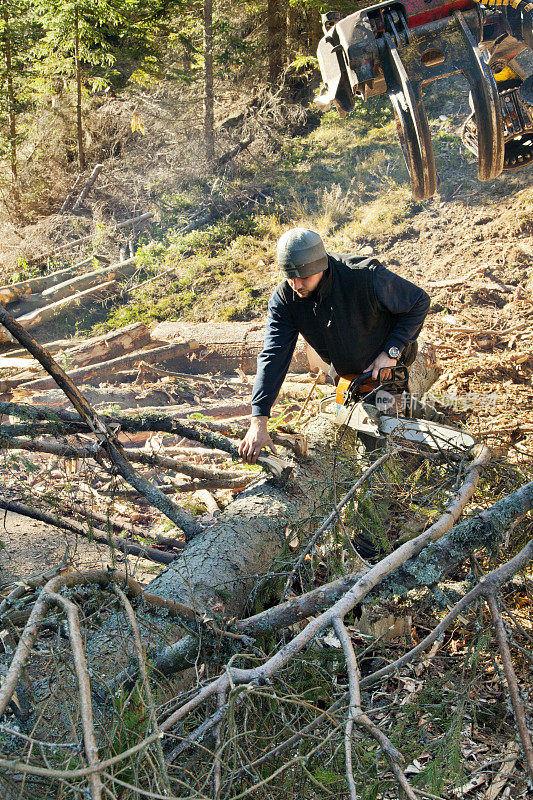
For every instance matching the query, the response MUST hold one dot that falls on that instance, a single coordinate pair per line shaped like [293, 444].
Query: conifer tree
[77, 46]
[14, 43]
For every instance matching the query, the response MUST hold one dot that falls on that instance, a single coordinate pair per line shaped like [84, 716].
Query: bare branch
[512, 684]
[107, 439]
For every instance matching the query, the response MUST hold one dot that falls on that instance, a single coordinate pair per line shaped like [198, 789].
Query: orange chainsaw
[372, 407]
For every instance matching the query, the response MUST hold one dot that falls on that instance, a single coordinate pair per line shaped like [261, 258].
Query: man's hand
[383, 360]
[254, 441]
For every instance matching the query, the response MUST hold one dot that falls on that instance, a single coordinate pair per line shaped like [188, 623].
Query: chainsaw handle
[363, 378]
[398, 373]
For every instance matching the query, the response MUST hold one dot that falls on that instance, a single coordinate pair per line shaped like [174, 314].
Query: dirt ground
[28, 547]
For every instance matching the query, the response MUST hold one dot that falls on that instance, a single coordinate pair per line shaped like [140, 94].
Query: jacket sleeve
[274, 360]
[408, 302]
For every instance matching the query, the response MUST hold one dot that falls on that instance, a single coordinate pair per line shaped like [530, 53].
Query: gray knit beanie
[301, 253]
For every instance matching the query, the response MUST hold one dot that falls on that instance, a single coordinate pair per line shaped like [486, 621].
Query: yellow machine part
[520, 5]
[506, 74]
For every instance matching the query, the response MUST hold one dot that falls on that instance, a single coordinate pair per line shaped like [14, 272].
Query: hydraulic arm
[397, 48]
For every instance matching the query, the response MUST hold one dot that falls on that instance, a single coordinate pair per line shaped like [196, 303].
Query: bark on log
[225, 346]
[72, 286]
[15, 291]
[81, 282]
[109, 345]
[99, 372]
[128, 398]
[129, 420]
[42, 315]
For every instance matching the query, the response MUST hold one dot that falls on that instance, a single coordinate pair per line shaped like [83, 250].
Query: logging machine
[397, 48]
[365, 405]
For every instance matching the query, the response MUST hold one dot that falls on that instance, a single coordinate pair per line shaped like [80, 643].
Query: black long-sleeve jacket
[358, 310]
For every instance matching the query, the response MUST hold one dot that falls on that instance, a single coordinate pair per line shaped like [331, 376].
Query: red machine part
[420, 12]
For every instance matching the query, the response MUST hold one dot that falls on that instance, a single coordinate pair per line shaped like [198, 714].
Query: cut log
[117, 397]
[99, 372]
[110, 345]
[15, 291]
[88, 280]
[225, 346]
[7, 362]
[42, 315]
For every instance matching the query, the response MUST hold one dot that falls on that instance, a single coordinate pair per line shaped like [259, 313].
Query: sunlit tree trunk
[11, 111]
[79, 121]
[209, 133]
[292, 31]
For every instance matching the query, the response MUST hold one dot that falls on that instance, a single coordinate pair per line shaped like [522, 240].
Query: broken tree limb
[231, 154]
[279, 467]
[355, 714]
[96, 518]
[84, 686]
[149, 459]
[88, 186]
[102, 370]
[510, 675]
[131, 420]
[108, 440]
[130, 548]
[69, 199]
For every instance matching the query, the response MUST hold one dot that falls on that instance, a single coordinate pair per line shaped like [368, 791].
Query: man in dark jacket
[353, 311]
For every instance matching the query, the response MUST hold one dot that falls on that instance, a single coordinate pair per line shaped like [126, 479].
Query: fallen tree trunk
[100, 371]
[96, 535]
[75, 285]
[16, 291]
[89, 279]
[42, 315]
[109, 345]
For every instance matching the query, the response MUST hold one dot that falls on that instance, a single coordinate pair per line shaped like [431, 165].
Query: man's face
[305, 286]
